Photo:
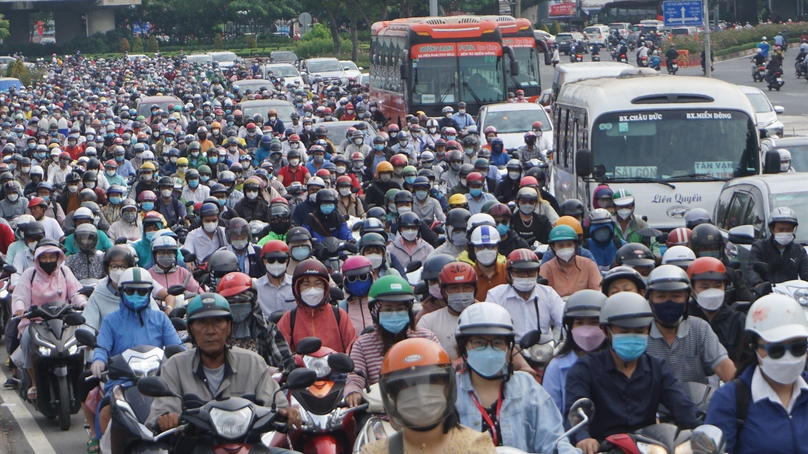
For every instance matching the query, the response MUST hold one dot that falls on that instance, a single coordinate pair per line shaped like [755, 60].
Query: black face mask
[280, 227]
[48, 267]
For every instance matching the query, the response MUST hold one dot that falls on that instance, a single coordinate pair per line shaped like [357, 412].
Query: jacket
[334, 223]
[420, 252]
[511, 243]
[104, 301]
[767, 428]
[787, 265]
[528, 419]
[319, 322]
[728, 324]
[250, 210]
[245, 373]
[374, 196]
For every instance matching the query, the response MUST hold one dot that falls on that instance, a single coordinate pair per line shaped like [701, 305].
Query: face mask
[46, 198]
[204, 178]
[710, 299]
[32, 246]
[276, 269]
[194, 154]
[460, 301]
[136, 302]
[147, 206]
[469, 151]
[588, 337]
[459, 238]
[378, 147]
[115, 200]
[327, 208]
[341, 169]
[385, 177]
[785, 370]
[448, 138]
[251, 195]
[514, 175]
[624, 213]
[319, 159]
[476, 192]
[210, 227]
[110, 173]
[527, 208]
[193, 183]
[213, 160]
[129, 216]
[486, 257]
[25, 169]
[215, 131]
[565, 254]
[421, 195]
[149, 236]
[48, 267]
[629, 346]
[488, 362]
[300, 253]
[166, 193]
[166, 261]
[202, 136]
[421, 405]
[462, 182]
[312, 297]
[13, 197]
[375, 260]
[524, 284]
[784, 239]
[409, 235]
[404, 209]
[72, 188]
[668, 312]
[147, 177]
[394, 322]
[602, 235]
[785, 167]
[294, 162]
[434, 291]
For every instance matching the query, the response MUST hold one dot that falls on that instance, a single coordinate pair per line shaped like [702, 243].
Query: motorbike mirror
[188, 258]
[87, 290]
[301, 378]
[178, 312]
[154, 387]
[176, 290]
[308, 345]
[121, 240]
[172, 350]
[179, 324]
[86, 337]
[340, 363]
[275, 317]
[530, 339]
[582, 409]
[414, 265]
[708, 439]
[9, 269]
[421, 288]
[742, 234]
[350, 247]
[74, 319]
[336, 294]
[336, 276]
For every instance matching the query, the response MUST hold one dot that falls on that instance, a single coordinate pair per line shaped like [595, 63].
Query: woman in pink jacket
[45, 282]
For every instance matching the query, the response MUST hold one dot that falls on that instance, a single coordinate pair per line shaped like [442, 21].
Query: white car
[225, 59]
[141, 57]
[283, 70]
[327, 68]
[199, 58]
[767, 122]
[351, 70]
[513, 121]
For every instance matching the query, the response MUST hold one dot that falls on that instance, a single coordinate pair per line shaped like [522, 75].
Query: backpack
[743, 397]
[293, 317]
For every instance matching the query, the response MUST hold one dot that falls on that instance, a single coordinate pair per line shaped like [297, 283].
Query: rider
[774, 67]
[87, 262]
[787, 260]
[568, 272]
[671, 55]
[458, 284]
[166, 267]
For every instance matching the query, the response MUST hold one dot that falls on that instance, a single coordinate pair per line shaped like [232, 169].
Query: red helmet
[310, 268]
[537, 125]
[490, 130]
[679, 236]
[357, 156]
[523, 259]
[474, 176]
[323, 173]
[706, 268]
[345, 179]
[457, 273]
[528, 181]
[275, 248]
[327, 111]
[398, 160]
[294, 138]
[348, 106]
[520, 92]
[147, 196]
[233, 283]
[499, 209]
[279, 200]
[153, 216]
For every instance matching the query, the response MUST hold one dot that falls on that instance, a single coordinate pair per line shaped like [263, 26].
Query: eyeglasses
[479, 343]
[486, 246]
[776, 351]
[361, 277]
[117, 267]
[271, 260]
[139, 291]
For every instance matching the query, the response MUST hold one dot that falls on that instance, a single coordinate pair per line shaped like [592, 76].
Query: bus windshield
[674, 145]
[435, 80]
[528, 72]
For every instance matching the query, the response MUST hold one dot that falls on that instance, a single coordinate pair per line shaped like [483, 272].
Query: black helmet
[465, 170]
[372, 225]
[634, 254]
[571, 207]
[222, 262]
[297, 234]
[433, 265]
[34, 230]
[166, 181]
[621, 272]
[706, 237]
[372, 239]
[697, 216]
[458, 218]
[403, 197]
[409, 219]
[72, 177]
[208, 209]
[90, 175]
[326, 196]
[378, 213]
[119, 252]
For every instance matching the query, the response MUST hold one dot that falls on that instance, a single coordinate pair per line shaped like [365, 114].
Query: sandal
[93, 446]
[32, 393]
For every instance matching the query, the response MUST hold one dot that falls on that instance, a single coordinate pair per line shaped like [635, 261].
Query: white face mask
[72, 188]
[784, 239]
[527, 208]
[624, 213]
[421, 405]
[276, 269]
[32, 246]
[710, 299]
[115, 276]
[785, 370]
[313, 197]
[409, 235]
[375, 260]
[13, 197]
[312, 297]
[294, 162]
[210, 227]
[524, 284]
[565, 254]
[486, 257]
[239, 244]
[514, 175]
[166, 193]
[784, 167]
[252, 195]
[403, 209]
[460, 301]
[345, 192]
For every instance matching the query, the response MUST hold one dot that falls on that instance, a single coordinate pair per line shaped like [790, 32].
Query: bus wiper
[641, 180]
[443, 96]
[468, 87]
[701, 176]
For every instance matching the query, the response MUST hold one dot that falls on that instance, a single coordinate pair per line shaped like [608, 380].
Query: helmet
[356, 265]
[371, 224]
[571, 207]
[275, 248]
[485, 235]
[208, 305]
[390, 288]
[326, 196]
[479, 219]
[474, 177]
[623, 197]
[523, 259]
[484, 319]
[411, 362]
[372, 239]
[234, 283]
[584, 303]
[572, 222]
[668, 278]
[697, 216]
[458, 199]
[163, 243]
[409, 220]
[680, 256]
[384, 166]
[117, 252]
[679, 236]
[86, 237]
[562, 233]
[306, 268]
[776, 318]
[222, 262]
[708, 269]
[621, 272]
[527, 193]
[297, 234]
[433, 266]
[783, 214]
[706, 237]
[458, 218]
[397, 160]
[634, 254]
[626, 309]
[457, 273]
[147, 196]
[82, 213]
[402, 197]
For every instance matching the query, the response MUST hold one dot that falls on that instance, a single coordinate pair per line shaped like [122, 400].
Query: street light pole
[433, 8]
[708, 69]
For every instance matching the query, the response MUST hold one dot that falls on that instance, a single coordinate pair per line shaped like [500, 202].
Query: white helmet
[485, 319]
[479, 219]
[776, 318]
[680, 256]
[136, 277]
[485, 235]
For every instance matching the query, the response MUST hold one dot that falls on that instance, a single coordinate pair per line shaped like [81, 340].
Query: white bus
[566, 73]
[673, 141]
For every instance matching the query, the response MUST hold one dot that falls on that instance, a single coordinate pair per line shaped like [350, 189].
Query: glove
[97, 368]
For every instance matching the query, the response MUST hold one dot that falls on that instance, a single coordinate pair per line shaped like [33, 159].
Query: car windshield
[282, 71]
[324, 66]
[516, 121]
[337, 131]
[284, 111]
[592, 30]
[564, 38]
[145, 107]
[224, 57]
[799, 157]
[797, 201]
[284, 56]
[349, 66]
[649, 144]
[760, 102]
[199, 58]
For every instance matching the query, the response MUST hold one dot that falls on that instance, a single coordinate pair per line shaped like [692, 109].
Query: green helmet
[562, 233]
[207, 305]
[390, 195]
[390, 288]
[623, 197]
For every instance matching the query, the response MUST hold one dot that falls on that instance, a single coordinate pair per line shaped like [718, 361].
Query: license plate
[779, 80]
[674, 66]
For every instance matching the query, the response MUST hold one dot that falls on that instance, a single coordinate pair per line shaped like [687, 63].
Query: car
[286, 71]
[597, 34]
[364, 79]
[327, 68]
[547, 37]
[199, 58]
[513, 121]
[7, 82]
[338, 129]
[351, 69]
[141, 57]
[285, 109]
[283, 56]
[144, 104]
[47, 40]
[225, 59]
[545, 98]
[767, 122]
[797, 146]
[744, 205]
[565, 41]
[254, 85]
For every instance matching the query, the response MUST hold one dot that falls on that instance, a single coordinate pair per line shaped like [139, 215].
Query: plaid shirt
[266, 340]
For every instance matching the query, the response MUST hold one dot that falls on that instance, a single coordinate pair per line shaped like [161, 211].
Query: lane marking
[33, 433]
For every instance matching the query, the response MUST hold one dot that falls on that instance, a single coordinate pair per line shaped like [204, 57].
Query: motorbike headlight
[44, 351]
[144, 367]
[231, 424]
[801, 295]
[647, 448]
[684, 448]
[318, 364]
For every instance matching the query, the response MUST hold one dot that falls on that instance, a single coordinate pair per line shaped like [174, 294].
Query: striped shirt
[694, 353]
[367, 355]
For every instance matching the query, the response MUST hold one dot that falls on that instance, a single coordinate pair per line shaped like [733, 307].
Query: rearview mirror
[178, 312]
[708, 439]
[308, 345]
[404, 71]
[86, 337]
[179, 324]
[350, 247]
[172, 350]
[582, 409]
[298, 378]
[176, 290]
[414, 266]
[514, 67]
[583, 162]
[9, 269]
[743, 234]
[762, 268]
[154, 387]
[779, 109]
[74, 319]
[340, 363]
[336, 294]
[530, 339]
[771, 162]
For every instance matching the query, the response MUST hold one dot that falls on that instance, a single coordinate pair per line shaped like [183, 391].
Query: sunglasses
[776, 351]
[361, 277]
[271, 260]
[139, 291]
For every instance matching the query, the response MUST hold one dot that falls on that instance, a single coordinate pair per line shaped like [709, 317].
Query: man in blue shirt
[625, 383]
[463, 119]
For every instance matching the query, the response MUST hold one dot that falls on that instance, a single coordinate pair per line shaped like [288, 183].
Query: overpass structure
[72, 18]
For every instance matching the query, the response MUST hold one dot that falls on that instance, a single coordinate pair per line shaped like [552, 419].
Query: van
[7, 82]
[597, 34]
[572, 72]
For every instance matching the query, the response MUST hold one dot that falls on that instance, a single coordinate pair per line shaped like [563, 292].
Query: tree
[137, 47]
[4, 26]
[556, 28]
[217, 41]
[154, 47]
[251, 42]
[124, 45]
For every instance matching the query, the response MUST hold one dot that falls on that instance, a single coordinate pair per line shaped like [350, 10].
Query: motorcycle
[623, 58]
[667, 439]
[643, 63]
[334, 251]
[56, 359]
[799, 67]
[5, 296]
[672, 67]
[760, 74]
[775, 80]
[576, 57]
[228, 426]
[595, 57]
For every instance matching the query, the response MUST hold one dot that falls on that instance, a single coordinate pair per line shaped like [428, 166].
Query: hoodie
[104, 301]
[319, 322]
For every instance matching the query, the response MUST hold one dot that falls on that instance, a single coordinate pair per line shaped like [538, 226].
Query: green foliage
[251, 41]
[153, 45]
[4, 26]
[137, 47]
[124, 45]
[317, 48]
[217, 42]
[19, 71]
[556, 28]
[543, 27]
[739, 39]
[318, 31]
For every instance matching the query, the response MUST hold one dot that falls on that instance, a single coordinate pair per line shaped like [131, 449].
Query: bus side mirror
[583, 162]
[514, 68]
[771, 162]
[404, 71]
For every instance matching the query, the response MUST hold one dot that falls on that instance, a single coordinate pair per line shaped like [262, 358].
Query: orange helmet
[457, 273]
[410, 371]
[384, 166]
[275, 248]
[706, 268]
[233, 283]
[570, 221]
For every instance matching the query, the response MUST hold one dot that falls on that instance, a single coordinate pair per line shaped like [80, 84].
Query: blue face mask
[476, 192]
[488, 362]
[213, 160]
[46, 198]
[409, 180]
[300, 253]
[713, 254]
[502, 229]
[629, 346]
[193, 183]
[358, 288]
[149, 236]
[222, 202]
[135, 301]
[147, 206]
[394, 322]
[204, 178]
[327, 208]
[115, 200]
[450, 138]
[378, 147]
[119, 158]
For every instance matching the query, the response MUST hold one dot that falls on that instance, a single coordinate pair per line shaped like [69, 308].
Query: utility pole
[708, 70]
[433, 8]
[517, 10]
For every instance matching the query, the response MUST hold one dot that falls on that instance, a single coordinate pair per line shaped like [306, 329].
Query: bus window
[482, 79]
[528, 66]
[721, 219]
[433, 80]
